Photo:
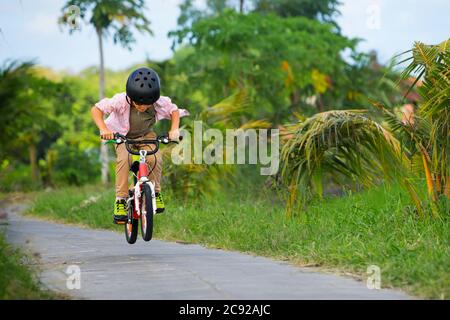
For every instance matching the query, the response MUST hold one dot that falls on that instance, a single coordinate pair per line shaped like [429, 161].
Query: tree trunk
[32, 150]
[241, 6]
[104, 159]
[295, 98]
[320, 105]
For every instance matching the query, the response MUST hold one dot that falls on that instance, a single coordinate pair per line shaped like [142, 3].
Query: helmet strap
[129, 100]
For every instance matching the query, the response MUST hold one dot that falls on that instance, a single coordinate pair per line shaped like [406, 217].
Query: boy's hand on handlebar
[174, 135]
[107, 135]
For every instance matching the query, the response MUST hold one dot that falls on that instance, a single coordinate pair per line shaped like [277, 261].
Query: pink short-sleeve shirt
[118, 110]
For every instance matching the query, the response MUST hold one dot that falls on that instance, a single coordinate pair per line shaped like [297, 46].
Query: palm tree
[428, 136]
[349, 145]
[106, 16]
[344, 145]
[25, 110]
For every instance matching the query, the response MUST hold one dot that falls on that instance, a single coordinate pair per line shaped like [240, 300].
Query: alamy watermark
[73, 14]
[235, 146]
[73, 281]
[373, 12]
[374, 278]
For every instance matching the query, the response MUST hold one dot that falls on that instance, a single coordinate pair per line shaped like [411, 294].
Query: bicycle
[141, 201]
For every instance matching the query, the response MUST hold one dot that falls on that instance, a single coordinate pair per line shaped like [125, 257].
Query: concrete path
[112, 269]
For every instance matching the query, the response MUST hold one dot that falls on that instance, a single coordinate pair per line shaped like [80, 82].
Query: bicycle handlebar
[164, 139]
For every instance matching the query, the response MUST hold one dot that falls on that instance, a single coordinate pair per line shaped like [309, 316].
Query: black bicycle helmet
[143, 86]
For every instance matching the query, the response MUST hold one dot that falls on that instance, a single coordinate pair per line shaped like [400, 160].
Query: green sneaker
[120, 211]
[159, 203]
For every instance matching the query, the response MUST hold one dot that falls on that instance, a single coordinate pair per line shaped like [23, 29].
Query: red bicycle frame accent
[142, 172]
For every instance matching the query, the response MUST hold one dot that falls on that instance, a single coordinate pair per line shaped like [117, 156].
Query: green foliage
[14, 85]
[191, 13]
[344, 143]
[17, 178]
[26, 107]
[71, 165]
[190, 180]
[324, 10]
[361, 82]
[29, 113]
[273, 58]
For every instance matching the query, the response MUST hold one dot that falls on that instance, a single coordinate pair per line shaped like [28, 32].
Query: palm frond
[432, 64]
[344, 143]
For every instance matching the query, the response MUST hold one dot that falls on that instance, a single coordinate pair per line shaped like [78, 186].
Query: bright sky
[29, 30]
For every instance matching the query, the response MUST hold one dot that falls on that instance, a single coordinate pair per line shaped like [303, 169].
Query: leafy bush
[73, 166]
[16, 178]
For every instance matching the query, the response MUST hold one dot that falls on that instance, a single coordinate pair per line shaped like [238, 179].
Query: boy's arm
[97, 115]
[174, 133]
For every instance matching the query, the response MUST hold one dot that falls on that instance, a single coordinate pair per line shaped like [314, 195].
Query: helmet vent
[153, 79]
[140, 72]
[137, 79]
[145, 78]
[142, 85]
[149, 85]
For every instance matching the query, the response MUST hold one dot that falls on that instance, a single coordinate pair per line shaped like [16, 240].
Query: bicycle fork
[143, 179]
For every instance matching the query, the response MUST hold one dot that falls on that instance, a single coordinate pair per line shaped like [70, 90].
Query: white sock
[120, 198]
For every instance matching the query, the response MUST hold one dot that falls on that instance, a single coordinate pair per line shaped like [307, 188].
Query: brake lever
[165, 140]
[119, 139]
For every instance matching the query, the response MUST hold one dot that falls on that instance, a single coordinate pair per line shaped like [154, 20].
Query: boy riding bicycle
[133, 114]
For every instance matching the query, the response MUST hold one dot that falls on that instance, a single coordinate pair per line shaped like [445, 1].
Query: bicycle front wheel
[146, 213]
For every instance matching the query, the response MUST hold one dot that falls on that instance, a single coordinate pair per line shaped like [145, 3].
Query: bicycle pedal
[119, 221]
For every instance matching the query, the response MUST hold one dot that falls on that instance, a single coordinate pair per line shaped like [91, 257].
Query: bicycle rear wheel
[146, 213]
[131, 228]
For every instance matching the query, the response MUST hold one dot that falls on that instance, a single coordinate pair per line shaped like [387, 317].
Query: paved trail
[113, 269]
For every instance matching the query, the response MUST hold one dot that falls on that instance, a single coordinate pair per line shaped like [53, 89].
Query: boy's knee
[122, 163]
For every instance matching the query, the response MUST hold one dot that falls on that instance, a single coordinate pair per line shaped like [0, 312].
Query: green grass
[17, 279]
[337, 234]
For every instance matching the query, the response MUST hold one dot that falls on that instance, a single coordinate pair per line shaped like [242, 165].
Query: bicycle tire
[131, 229]
[146, 213]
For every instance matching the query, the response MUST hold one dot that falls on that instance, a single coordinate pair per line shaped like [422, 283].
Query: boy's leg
[122, 171]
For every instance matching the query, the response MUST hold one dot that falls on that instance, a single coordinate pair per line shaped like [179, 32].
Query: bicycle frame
[142, 178]
[142, 174]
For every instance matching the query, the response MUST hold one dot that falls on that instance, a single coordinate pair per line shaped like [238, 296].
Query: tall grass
[17, 280]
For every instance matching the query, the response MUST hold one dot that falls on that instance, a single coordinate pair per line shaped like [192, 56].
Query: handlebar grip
[165, 139]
